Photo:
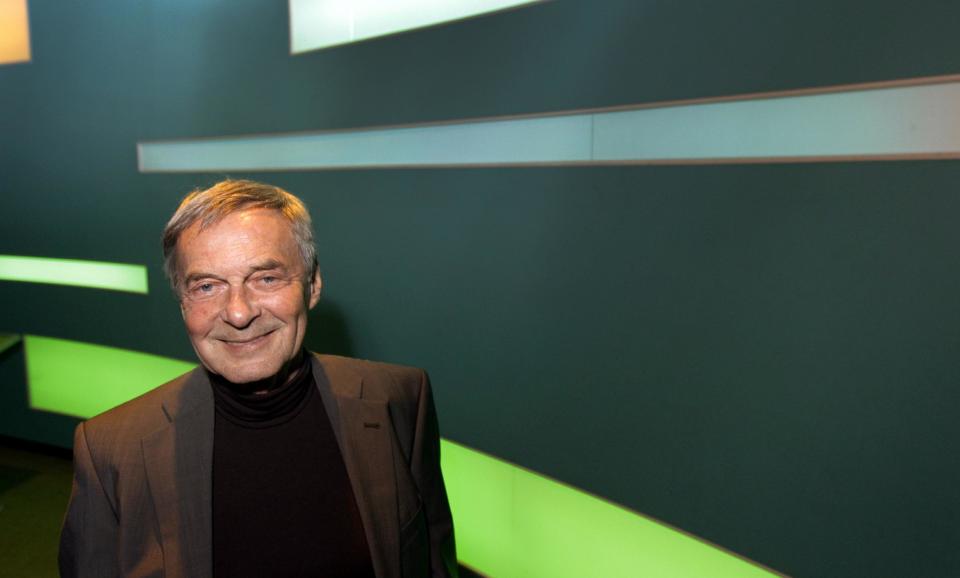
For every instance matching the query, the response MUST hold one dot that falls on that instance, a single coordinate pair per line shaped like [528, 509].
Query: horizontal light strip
[323, 23]
[509, 521]
[83, 379]
[94, 274]
[498, 142]
[904, 120]
[14, 32]
[513, 522]
[915, 121]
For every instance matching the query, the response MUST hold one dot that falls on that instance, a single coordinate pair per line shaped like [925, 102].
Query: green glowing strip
[94, 274]
[82, 379]
[513, 522]
[510, 521]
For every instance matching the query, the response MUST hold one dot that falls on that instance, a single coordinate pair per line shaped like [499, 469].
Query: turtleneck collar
[265, 403]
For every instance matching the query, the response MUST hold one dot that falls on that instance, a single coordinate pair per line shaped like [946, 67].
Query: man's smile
[248, 342]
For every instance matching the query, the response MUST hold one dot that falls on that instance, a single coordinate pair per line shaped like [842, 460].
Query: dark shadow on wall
[327, 330]
[17, 420]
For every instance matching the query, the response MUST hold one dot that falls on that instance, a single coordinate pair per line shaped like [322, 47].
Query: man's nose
[240, 309]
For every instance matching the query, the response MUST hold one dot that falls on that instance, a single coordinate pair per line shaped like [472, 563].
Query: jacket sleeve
[425, 466]
[89, 535]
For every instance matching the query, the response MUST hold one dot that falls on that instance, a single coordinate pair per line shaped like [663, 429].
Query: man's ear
[315, 285]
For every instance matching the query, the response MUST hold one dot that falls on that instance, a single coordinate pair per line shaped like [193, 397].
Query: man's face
[242, 294]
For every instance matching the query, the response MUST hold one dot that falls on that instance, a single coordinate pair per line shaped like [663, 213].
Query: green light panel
[82, 379]
[511, 522]
[863, 123]
[93, 274]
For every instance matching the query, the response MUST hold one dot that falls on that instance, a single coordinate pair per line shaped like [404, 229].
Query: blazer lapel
[179, 463]
[363, 428]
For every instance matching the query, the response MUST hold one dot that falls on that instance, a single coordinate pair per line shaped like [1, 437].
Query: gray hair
[230, 196]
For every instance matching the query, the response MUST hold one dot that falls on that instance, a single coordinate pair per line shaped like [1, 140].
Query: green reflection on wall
[82, 379]
[511, 522]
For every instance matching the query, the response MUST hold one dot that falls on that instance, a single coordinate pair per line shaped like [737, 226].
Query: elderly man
[267, 460]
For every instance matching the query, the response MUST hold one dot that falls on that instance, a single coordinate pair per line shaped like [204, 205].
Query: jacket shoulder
[387, 381]
[367, 367]
[142, 414]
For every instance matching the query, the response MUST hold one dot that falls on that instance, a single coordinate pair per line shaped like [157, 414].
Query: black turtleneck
[282, 500]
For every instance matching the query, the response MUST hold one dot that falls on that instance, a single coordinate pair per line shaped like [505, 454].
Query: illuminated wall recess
[83, 379]
[14, 32]
[907, 121]
[510, 521]
[322, 23]
[73, 272]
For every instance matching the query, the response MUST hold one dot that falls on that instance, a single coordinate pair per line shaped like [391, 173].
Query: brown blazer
[141, 501]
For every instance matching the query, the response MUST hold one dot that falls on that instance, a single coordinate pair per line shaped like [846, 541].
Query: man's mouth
[247, 342]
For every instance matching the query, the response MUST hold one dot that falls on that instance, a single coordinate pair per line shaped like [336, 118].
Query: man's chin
[244, 372]
[248, 377]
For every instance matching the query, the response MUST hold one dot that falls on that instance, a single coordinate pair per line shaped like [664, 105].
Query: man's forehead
[247, 216]
[250, 236]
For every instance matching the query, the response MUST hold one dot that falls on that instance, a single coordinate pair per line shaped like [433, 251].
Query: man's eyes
[203, 290]
[266, 282]
[269, 281]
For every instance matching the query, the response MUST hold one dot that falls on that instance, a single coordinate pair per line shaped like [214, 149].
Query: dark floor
[34, 488]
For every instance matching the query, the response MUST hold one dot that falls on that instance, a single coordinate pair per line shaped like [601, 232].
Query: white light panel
[321, 23]
[919, 120]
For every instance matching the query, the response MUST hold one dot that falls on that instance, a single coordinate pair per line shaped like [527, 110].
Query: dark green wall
[763, 355]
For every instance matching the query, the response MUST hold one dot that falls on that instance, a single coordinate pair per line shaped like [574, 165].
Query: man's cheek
[196, 319]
